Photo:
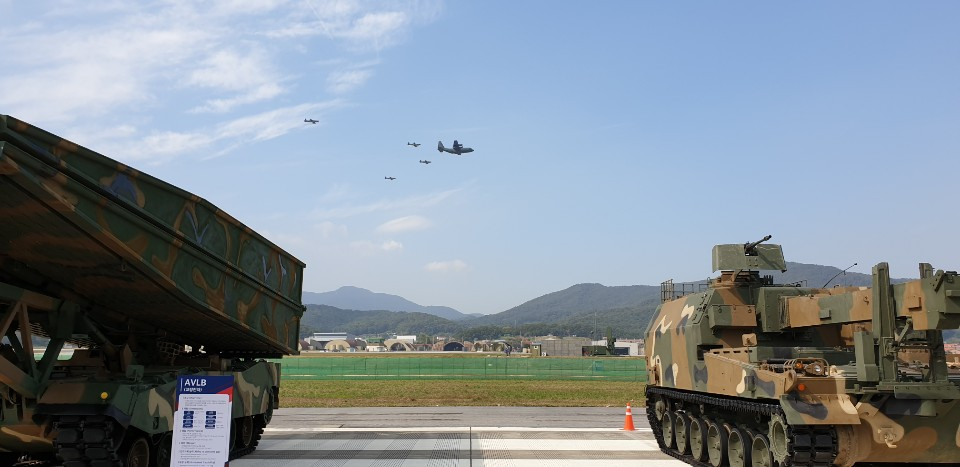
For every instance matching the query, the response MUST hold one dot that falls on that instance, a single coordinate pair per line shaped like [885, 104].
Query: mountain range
[582, 309]
[355, 298]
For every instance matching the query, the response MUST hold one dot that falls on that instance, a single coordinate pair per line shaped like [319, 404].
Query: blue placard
[205, 385]
[201, 431]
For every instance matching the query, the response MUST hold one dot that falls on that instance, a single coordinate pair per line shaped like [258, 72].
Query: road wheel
[136, 452]
[233, 434]
[659, 408]
[667, 424]
[716, 443]
[244, 432]
[164, 450]
[267, 415]
[698, 438]
[738, 447]
[760, 455]
[682, 425]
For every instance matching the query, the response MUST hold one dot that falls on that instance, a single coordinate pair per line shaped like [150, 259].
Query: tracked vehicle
[143, 282]
[749, 373]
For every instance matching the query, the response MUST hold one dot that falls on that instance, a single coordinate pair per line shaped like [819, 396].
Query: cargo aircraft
[310, 120]
[457, 148]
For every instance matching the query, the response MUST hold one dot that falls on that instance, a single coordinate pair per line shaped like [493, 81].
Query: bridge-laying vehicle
[145, 283]
[747, 372]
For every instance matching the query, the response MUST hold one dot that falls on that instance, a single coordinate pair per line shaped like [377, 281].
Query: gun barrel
[750, 246]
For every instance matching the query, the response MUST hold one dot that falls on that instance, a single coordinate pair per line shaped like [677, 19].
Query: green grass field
[423, 393]
[460, 366]
[458, 379]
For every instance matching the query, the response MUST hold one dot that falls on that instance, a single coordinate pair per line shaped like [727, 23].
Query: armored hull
[82, 226]
[747, 372]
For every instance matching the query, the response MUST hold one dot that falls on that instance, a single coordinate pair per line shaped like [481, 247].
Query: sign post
[201, 430]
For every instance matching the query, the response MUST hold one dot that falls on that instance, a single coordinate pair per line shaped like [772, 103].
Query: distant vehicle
[310, 120]
[457, 148]
[389, 178]
[413, 144]
[424, 162]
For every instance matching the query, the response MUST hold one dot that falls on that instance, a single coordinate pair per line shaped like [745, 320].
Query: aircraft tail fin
[440, 146]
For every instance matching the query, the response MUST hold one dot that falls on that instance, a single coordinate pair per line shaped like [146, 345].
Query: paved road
[456, 437]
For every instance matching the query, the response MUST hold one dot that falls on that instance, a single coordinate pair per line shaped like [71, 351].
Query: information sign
[201, 430]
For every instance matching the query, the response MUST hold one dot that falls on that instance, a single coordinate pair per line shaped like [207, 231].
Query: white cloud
[368, 248]
[363, 27]
[391, 245]
[248, 73]
[169, 143]
[341, 82]
[446, 266]
[409, 204]
[404, 224]
[245, 7]
[60, 77]
[89, 67]
[165, 145]
[379, 29]
[328, 230]
[337, 192]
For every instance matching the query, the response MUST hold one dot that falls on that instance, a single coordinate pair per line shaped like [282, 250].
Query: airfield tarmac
[456, 437]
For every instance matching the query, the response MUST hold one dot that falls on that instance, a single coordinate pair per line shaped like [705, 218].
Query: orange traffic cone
[628, 422]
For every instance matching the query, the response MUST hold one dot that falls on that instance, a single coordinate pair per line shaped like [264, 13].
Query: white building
[319, 339]
[633, 347]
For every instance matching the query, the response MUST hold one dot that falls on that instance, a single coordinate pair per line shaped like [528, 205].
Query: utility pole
[594, 335]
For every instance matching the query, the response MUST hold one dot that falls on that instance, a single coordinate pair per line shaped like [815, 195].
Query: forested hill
[582, 309]
[356, 298]
[573, 301]
[628, 322]
[325, 318]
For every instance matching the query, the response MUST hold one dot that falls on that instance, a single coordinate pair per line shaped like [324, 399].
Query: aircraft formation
[457, 148]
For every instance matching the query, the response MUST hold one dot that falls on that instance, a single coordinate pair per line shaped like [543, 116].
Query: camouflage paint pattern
[141, 248]
[150, 407]
[740, 337]
[141, 276]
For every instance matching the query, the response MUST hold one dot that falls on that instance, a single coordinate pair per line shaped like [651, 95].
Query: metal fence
[493, 367]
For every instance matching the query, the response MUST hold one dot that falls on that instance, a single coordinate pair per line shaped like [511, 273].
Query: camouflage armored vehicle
[144, 282]
[746, 372]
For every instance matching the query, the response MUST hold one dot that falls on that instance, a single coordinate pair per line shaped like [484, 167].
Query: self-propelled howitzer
[747, 372]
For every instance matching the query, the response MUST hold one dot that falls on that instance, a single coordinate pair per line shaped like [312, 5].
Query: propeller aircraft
[457, 148]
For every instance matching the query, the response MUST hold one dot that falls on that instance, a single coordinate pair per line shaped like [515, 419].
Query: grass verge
[424, 393]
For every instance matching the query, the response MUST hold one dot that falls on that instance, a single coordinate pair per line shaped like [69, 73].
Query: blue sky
[616, 142]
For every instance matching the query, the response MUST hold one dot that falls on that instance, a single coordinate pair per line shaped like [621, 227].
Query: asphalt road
[456, 437]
